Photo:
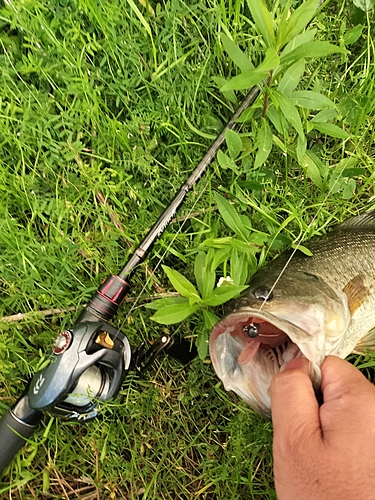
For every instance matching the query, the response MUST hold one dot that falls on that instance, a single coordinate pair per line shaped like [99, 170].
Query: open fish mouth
[249, 347]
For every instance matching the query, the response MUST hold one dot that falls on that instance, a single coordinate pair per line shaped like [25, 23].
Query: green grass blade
[147, 27]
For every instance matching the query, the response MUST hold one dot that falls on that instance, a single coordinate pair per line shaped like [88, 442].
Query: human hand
[327, 452]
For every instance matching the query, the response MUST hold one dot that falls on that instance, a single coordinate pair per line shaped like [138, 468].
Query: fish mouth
[246, 364]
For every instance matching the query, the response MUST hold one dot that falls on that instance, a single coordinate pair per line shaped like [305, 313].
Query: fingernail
[297, 363]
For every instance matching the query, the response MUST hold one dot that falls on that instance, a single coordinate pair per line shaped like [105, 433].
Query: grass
[106, 107]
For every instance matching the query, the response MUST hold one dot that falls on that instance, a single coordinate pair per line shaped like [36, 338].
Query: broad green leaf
[199, 266]
[301, 146]
[216, 242]
[223, 294]
[230, 216]
[258, 238]
[312, 170]
[252, 77]
[302, 249]
[167, 301]
[283, 22]
[169, 315]
[364, 5]
[252, 185]
[345, 163]
[277, 119]
[349, 189]
[310, 100]
[323, 168]
[310, 49]
[210, 319]
[248, 113]
[234, 143]
[229, 94]
[298, 21]
[289, 111]
[301, 39]
[246, 221]
[331, 130]
[263, 21]
[202, 344]
[354, 172]
[235, 53]
[271, 60]
[204, 275]
[292, 77]
[245, 80]
[325, 115]
[247, 247]
[351, 36]
[238, 267]
[225, 162]
[220, 256]
[280, 144]
[252, 264]
[180, 283]
[279, 241]
[264, 144]
[336, 181]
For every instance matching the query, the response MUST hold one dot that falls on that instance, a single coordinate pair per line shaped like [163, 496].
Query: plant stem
[268, 84]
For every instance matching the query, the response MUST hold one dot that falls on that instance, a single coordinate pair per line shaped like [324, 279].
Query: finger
[347, 395]
[340, 377]
[295, 410]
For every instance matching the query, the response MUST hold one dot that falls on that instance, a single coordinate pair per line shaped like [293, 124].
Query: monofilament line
[299, 241]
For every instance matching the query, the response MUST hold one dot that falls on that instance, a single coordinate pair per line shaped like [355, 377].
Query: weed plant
[106, 107]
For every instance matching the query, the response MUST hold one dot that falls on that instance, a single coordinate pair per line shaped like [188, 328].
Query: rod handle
[13, 434]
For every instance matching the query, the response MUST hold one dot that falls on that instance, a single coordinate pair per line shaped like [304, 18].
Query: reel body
[88, 365]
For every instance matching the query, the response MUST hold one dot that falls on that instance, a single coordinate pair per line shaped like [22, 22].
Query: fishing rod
[89, 361]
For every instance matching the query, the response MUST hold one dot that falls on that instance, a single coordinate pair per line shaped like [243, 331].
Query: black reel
[88, 365]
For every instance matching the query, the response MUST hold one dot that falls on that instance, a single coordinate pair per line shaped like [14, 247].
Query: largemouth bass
[311, 306]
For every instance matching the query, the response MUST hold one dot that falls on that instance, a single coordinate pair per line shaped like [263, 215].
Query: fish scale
[338, 258]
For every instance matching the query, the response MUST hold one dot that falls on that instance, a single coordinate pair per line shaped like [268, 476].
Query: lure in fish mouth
[300, 305]
[249, 347]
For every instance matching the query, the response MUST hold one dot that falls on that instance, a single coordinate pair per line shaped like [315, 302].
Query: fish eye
[263, 293]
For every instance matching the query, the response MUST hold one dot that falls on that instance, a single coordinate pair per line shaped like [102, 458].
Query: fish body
[300, 305]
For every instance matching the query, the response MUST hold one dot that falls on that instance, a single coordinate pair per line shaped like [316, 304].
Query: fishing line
[299, 241]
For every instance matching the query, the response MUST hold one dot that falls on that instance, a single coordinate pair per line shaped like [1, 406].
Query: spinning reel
[89, 361]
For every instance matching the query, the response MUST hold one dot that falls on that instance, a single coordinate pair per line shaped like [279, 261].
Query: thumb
[295, 410]
[347, 394]
[340, 378]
